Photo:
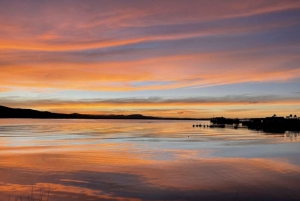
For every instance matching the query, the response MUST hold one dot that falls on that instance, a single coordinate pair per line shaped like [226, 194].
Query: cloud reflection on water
[101, 168]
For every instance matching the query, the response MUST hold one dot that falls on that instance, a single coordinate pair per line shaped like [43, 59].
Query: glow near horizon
[195, 59]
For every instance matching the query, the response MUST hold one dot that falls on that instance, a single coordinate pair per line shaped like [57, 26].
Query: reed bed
[41, 196]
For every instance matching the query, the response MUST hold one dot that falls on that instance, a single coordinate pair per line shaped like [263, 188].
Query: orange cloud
[197, 107]
[43, 42]
[61, 22]
[111, 49]
[199, 71]
[146, 46]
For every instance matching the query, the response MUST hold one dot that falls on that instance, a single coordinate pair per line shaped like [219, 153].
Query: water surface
[145, 160]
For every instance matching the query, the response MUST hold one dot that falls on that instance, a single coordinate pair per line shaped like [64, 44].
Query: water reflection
[145, 160]
[292, 135]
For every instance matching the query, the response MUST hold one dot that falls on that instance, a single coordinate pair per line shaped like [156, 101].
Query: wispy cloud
[195, 70]
[153, 101]
[114, 46]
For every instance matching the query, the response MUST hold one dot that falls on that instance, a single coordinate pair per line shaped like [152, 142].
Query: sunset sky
[179, 58]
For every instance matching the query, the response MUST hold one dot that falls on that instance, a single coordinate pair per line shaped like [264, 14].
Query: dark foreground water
[145, 160]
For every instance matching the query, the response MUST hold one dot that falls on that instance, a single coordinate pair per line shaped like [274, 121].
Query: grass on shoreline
[32, 197]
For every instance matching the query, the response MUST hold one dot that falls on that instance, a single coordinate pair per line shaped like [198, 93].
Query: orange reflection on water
[139, 161]
[182, 174]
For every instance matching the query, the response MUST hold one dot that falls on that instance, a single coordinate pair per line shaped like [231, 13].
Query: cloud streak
[201, 70]
[237, 105]
[147, 45]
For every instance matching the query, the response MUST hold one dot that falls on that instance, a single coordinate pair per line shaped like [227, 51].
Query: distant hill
[6, 112]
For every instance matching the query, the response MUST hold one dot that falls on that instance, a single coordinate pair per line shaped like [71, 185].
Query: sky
[179, 58]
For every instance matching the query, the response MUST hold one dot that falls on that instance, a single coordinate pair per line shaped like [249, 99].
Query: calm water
[145, 160]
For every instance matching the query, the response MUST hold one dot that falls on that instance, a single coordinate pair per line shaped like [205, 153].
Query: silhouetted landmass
[268, 124]
[6, 112]
[273, 124]
[222, 120]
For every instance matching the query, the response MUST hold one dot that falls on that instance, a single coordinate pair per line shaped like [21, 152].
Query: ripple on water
[154, 160]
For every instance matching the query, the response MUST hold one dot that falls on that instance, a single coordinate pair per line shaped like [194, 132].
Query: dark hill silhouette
[6, 112]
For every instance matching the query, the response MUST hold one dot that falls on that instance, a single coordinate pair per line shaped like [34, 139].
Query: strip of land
[6, 112]
[272, 124]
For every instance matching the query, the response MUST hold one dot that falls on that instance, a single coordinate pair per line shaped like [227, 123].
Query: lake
[145, 160]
